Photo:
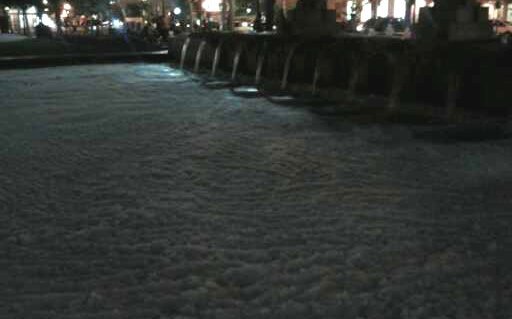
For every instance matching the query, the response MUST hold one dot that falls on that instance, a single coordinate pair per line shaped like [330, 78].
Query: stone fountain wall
[465, 74]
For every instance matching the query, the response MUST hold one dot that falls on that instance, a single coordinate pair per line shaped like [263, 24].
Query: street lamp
[177, 11]
[211, 5]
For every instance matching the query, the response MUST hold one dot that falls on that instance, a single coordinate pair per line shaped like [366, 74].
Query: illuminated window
[399, 10]
[382, 10]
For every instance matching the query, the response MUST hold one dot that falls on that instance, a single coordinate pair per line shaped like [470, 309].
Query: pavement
[11, 37]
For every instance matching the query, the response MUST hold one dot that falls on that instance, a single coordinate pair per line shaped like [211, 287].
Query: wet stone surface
[131, 191]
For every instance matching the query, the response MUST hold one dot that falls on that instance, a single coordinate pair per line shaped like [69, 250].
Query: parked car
[382, 25]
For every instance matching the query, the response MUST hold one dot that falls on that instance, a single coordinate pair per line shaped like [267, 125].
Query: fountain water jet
[184, 50]
[199, 55]
[287, 66]
[252, 90]
[236, 62]
[216, 59]
[261, 61]
[316, 75]
[399, 78]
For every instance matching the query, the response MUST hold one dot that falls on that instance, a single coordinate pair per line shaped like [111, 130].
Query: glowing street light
[177, 11]
[67, 6]
[211, 5]
[45, 2]
[7, 9]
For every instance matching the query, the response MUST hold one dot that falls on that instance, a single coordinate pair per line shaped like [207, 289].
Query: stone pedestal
[466, 22]
[471, 23]
[311, 18]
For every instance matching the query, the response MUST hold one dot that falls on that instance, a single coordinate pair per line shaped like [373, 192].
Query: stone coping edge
[32, 61]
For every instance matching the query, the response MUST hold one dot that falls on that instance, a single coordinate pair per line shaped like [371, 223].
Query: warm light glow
[248, 10]
[46, 20]
[177, 11]
[117, 24]
[67, 6]
[366, 12]
[349, 8]
[400, 7]
[7, 8]
[493, 12]
[419, 4]
[211, 5]
[245, 24]
[382, 9]
[32, 10]
[45, 2]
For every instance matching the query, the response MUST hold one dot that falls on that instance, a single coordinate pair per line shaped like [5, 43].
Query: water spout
[216, 59]
[399, 78]
[291, 53]
[198, 56]
[261, 60]
[359, 70]
[316, 75]
[454, 80]
[184, 50]
[236, 62]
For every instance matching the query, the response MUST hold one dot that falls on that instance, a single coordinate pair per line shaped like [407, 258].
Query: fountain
[236, 61]
[184, 50]
[261, 61]
[216, 58]
[316, 74]
[399, 78]
[213, 83]
[287, 66]
[253, 91]
[199, 53]
[360, 68]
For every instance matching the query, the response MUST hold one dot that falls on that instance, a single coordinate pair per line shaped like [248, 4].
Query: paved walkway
[11, 37]
[129, 191]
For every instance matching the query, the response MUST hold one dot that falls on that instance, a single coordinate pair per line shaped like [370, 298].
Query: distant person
[162, 28]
